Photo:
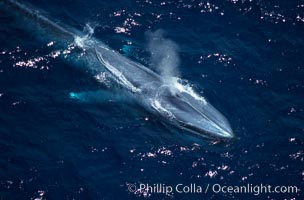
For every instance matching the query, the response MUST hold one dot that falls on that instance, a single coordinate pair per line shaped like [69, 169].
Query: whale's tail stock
[32, 16]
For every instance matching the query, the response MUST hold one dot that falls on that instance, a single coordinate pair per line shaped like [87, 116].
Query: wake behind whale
[165, 96]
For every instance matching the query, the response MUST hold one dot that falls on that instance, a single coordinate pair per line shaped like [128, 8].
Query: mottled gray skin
[153, 92]
[181, 108]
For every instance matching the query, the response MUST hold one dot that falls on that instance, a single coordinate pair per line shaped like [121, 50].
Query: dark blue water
[245, 57]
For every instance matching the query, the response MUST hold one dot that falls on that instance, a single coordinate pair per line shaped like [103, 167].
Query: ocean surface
[65, 134]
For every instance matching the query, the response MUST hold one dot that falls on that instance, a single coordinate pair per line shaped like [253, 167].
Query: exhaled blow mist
[164, 54]
[165, 60]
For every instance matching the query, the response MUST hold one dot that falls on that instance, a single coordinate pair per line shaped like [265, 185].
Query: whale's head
[192, 112]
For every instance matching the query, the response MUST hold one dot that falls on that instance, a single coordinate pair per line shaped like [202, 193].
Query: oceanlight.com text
[194, 188]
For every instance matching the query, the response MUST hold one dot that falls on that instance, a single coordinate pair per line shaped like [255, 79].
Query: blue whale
[167, 97]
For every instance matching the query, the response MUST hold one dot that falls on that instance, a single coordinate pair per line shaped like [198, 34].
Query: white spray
[164, 54]
[165, 60]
